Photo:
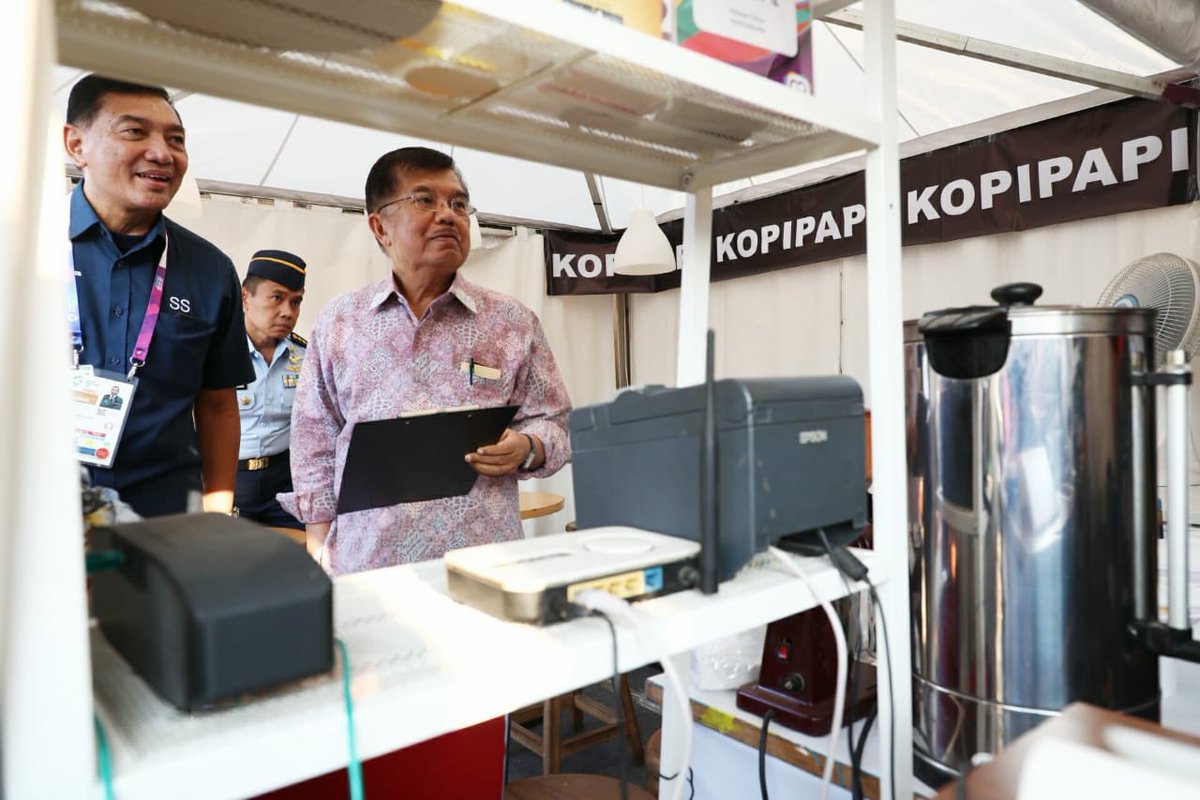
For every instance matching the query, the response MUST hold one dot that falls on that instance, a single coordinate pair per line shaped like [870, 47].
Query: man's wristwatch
[527, 464]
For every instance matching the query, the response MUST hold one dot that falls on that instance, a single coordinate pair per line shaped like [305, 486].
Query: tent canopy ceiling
[237, 143]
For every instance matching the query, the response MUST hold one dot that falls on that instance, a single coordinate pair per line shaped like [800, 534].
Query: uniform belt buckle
[254, 464]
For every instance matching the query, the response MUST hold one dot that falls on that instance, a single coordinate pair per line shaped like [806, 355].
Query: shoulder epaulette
[298, 339]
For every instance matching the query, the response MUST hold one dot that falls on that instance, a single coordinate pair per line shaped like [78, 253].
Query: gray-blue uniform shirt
[265, 405]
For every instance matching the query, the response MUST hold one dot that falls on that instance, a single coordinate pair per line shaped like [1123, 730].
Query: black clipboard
[409, 459]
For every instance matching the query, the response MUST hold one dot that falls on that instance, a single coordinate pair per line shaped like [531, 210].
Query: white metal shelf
[422, 665]
[539, 80]
[550, 84]
[721, 704]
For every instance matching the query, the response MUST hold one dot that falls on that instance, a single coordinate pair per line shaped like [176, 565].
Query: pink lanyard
[149, 321]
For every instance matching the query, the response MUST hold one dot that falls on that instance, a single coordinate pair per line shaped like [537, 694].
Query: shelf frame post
[45, 672]
[885, 343]
[694, 287]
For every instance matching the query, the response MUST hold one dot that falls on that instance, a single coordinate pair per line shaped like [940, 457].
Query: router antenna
[709, 540]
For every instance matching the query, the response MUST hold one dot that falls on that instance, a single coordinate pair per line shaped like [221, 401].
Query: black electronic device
[777, 458]
[798, 678]
[207, 607]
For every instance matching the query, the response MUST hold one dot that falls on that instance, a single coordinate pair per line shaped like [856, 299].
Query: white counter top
[422, 665]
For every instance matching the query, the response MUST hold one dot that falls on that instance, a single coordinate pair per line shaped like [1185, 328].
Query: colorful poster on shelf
[735, 31]
[765, 24]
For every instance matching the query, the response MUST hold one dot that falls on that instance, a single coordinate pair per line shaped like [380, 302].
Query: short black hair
[88, 93]
[381, 180]
[250, 283]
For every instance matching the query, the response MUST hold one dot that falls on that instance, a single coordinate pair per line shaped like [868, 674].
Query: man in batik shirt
[423, 338]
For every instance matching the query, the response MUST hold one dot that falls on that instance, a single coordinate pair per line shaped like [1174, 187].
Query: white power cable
[617, 608]
[843, 657]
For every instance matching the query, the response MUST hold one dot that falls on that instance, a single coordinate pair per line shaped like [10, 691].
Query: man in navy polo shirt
[183, 429]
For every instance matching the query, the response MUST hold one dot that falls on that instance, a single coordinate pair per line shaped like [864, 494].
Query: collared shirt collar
[281, 348]
[466, 292]
[460, 288]
[83, 216]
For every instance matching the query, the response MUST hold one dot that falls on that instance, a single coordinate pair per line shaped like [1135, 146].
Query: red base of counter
[466, 765]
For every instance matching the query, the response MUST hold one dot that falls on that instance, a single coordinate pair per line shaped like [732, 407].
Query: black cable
[960, 788]
[849, 565]
[762, 752]
[856, 789]
[887, 654]
[855, 756]
[691, 783]
[620, 706]
[865, 732]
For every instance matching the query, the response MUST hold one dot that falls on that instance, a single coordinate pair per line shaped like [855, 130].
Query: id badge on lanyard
[101, 400]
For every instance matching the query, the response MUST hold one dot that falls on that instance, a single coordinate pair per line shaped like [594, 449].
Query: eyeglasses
[428, 202]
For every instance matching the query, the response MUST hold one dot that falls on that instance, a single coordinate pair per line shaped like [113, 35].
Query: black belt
[262, 462]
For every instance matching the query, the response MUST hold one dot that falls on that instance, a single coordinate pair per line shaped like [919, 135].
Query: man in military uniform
[271, 297]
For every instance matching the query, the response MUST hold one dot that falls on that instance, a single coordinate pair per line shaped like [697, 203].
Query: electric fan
[1171, 285]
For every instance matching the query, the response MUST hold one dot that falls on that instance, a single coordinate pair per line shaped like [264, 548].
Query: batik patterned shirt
[370, 358]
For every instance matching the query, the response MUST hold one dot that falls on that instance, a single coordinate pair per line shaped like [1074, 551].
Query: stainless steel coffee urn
[1032, 519]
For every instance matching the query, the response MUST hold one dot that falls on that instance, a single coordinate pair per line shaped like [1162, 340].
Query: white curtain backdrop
[580, 331]
[812, 320]
[805, 321]
[342, 256]
[338, 247]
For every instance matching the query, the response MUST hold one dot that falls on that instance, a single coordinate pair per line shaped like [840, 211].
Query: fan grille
[1169, 284]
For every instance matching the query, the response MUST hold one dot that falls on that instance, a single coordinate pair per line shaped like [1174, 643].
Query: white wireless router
[535, 580]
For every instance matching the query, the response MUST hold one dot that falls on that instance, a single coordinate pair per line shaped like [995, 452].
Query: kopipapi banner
[1125, 156]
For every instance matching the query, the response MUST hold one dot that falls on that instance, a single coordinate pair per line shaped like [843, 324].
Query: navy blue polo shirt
[199, 343]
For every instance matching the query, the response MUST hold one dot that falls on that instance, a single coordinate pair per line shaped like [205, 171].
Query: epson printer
[790, 460]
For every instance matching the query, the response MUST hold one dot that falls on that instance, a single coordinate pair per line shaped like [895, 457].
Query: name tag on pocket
[477, 370]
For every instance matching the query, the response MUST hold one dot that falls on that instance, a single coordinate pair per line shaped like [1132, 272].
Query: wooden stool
[539, 504]
[572, 787]
[292, 533]
[653, 761]
[550, 745]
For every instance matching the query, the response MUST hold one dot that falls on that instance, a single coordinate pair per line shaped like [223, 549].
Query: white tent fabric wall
[580, 332]
[338, 246]
[799, 322]
[342, 256]
[780, 323]
[1073, 262]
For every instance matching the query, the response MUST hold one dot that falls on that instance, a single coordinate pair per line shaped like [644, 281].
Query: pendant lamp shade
[643, 248]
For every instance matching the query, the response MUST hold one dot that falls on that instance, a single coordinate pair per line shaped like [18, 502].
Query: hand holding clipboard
[415, 458]
[505, 456]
